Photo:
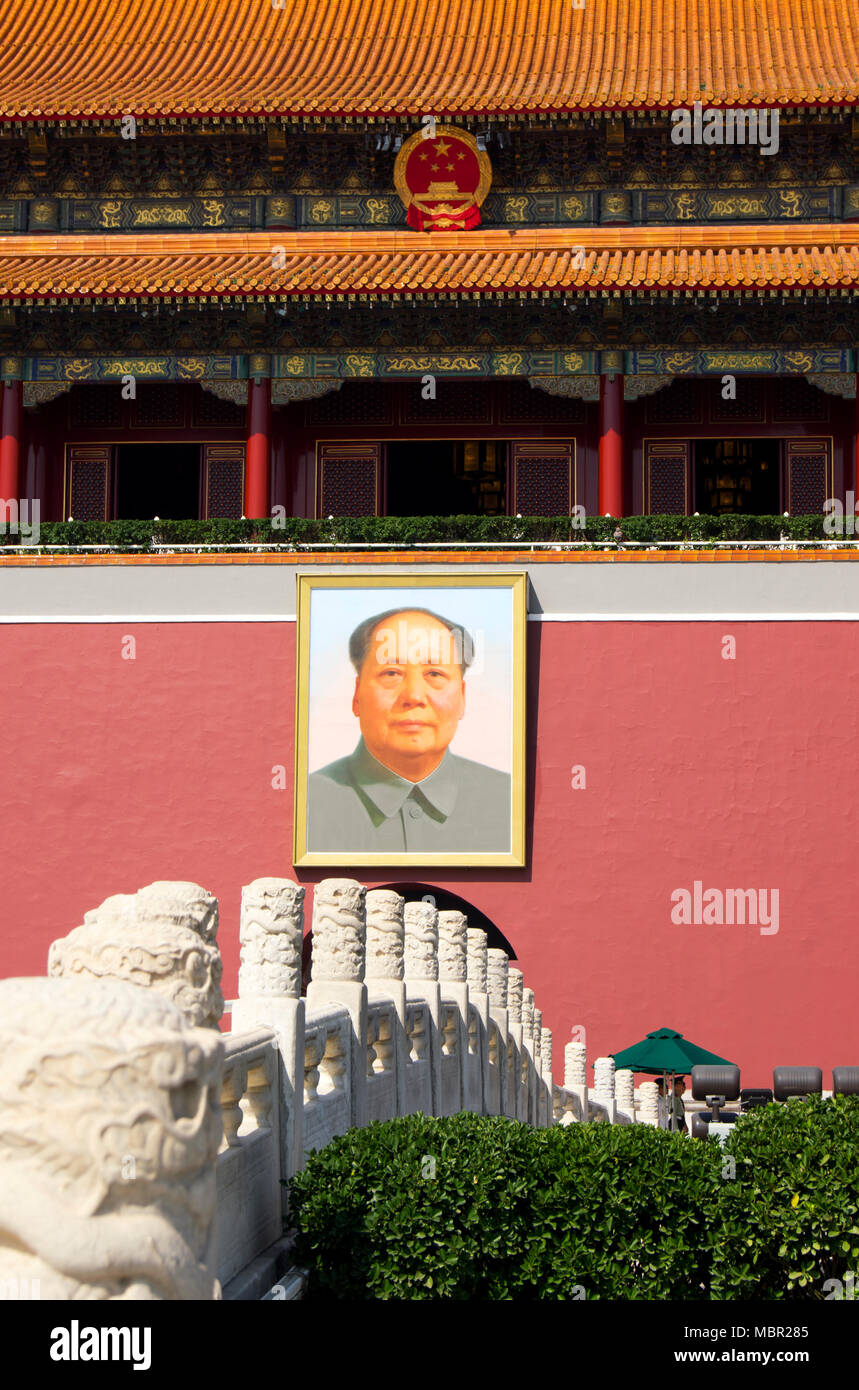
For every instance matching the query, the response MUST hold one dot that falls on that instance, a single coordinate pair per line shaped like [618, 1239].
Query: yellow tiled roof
[34, 268]
[82, 59]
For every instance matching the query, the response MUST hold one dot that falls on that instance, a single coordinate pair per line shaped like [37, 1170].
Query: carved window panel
[455, 403]
[356, 403]
[349, 479]
[223, 480]
[95, 404]
[666, 476]
[520, 403]
[211, 410]
[159, 403]
[749, 406]
[543, 477]
[679, 403]
[794, 400]
[87, 489]
[808, 471]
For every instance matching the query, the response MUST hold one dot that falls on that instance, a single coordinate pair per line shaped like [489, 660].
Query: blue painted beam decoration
[519, 362]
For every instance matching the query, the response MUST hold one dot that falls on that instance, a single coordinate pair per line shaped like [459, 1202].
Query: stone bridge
[143, 1151]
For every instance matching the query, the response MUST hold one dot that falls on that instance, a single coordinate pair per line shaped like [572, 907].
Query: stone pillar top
[515, 989]
[575, 1064]
[528, 1011]
[271, 933]
[648, 1103]
[177, 904]
[624, 1086]
[421, 941]
[339, 930]
[497, 969]
[476, 953]
[162, 938]
[604, 1078]
[385, 934]
[452, 928]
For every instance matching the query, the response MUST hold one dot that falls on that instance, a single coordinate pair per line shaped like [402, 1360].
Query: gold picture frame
[506, 649]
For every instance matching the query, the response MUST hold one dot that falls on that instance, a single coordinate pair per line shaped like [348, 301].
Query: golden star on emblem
[442, 147]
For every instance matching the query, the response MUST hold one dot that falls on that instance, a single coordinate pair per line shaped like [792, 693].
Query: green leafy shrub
[511, 1213]
[288, 532]
[790, 1219]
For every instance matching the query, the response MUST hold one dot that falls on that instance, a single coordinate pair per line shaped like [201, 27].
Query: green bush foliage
[288, 532]
[485, 1208]
[511, 1213]
[791, 1217]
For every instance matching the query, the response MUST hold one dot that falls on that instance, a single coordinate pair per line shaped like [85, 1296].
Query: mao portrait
[410, 720]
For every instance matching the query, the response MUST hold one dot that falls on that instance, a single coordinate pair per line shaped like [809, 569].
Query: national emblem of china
[442, 179]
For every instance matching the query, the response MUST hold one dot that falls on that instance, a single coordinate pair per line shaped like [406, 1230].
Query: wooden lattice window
[223, 480]
[87, 490]
[666, 476]
[808, 473]
[543, 477]
[349, 477]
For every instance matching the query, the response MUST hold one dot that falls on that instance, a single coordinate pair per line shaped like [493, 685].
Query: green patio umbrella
[665, 1052]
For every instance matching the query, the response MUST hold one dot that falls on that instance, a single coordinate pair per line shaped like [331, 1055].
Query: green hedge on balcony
[386, 530]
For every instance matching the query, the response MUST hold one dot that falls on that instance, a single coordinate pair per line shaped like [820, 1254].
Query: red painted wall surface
[739, 773]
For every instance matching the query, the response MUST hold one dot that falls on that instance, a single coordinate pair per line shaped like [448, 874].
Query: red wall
[739, 773]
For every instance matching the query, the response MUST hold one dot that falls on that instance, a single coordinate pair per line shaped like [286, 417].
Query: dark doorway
[444, 477]
[445, 902]
[158, 480]
[737, 475]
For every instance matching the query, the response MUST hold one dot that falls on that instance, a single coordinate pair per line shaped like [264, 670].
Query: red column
[611, 445]
[11, 409]
[856, 459]
[257, 465]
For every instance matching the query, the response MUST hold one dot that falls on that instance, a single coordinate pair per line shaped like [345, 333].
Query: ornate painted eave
[123, 270]
[361, 59]
[303, 375]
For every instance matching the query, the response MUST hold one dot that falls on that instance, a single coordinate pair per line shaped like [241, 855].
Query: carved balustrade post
[271, 934]
[337, 972]
[515, 1000]
[575, 1074]
[452, 976]
[647, 1109]
[542, 1092]
[548, 1080]
[497, 974]
[384, 971]
[604, 1085]
[421, 972]
[528, 1059]
[162, 938]
[479, 1096]
[624, 1092]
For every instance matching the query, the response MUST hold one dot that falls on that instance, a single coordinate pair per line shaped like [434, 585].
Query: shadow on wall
[445, 902]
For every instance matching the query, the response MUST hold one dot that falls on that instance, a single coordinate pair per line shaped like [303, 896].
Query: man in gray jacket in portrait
[402, 790]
